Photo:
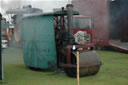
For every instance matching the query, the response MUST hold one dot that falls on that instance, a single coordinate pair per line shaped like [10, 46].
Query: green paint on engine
[39, 42]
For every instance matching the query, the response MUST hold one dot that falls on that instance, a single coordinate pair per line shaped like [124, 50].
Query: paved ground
[113, 72]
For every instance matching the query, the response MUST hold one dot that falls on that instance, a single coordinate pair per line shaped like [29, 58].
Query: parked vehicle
[4, 34]
[110, 17]
[4, 41]
[82, 29]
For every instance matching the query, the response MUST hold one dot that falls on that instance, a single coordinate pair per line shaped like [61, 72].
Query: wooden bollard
[78, 75]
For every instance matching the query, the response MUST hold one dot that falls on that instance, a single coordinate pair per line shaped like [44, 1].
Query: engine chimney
[70, 20]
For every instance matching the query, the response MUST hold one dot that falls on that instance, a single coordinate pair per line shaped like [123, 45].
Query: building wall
[119, 20]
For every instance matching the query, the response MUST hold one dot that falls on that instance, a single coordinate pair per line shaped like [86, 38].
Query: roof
[60, 12]
[81, 16]
[64, 12]
[55, 13]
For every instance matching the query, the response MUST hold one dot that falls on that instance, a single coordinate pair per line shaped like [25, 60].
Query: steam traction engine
[49, 42]
[67, 44]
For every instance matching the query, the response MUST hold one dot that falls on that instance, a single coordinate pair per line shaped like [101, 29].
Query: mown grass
[114, 71]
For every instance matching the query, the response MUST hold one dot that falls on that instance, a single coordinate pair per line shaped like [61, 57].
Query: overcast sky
[45, 5]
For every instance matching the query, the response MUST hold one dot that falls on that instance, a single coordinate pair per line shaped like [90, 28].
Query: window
[82, 23]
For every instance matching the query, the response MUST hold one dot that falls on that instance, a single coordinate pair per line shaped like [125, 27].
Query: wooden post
[78, 75]
[1, 73]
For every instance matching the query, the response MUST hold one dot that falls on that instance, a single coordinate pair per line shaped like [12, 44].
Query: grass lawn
[114, 71]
